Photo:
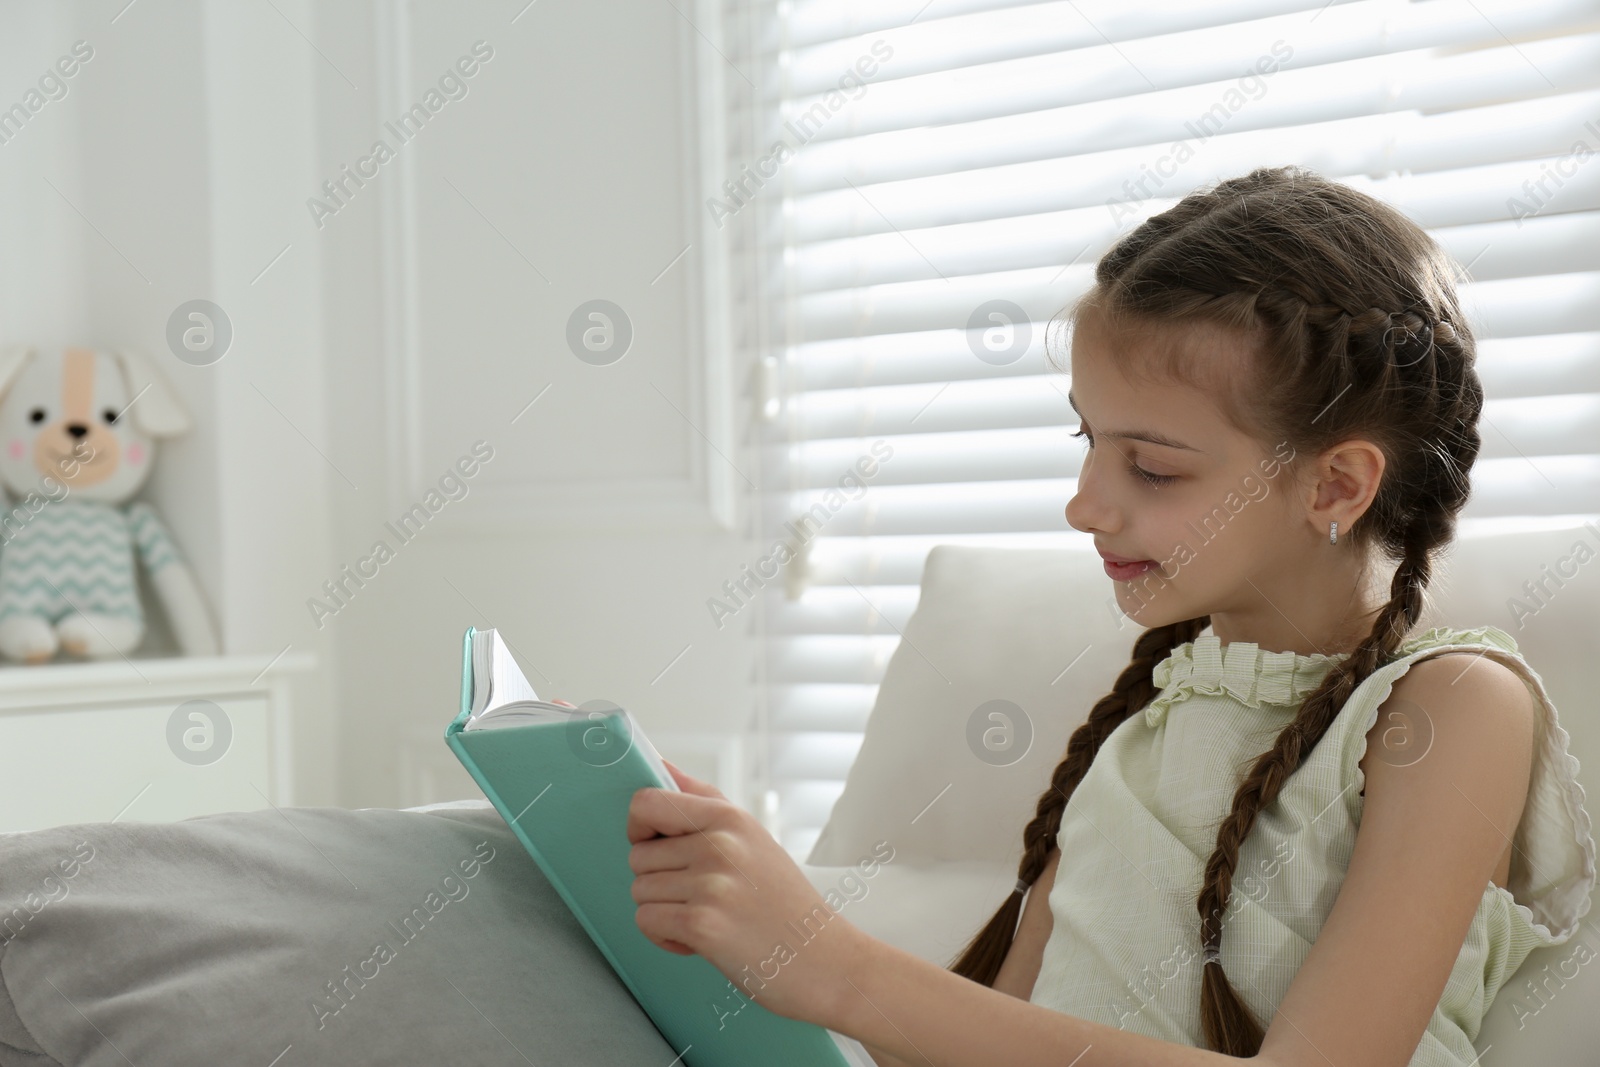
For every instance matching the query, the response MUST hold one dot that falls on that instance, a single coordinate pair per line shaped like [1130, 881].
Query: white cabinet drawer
[132, 761]
[148, 740]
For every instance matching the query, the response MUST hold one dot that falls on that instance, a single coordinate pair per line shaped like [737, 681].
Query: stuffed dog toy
[77, 431]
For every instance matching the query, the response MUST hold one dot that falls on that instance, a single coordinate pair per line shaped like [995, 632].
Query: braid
[980, 960]
[1228, 1024]
[1350, 313]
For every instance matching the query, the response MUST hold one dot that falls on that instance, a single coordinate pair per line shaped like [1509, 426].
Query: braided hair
[1357, 331]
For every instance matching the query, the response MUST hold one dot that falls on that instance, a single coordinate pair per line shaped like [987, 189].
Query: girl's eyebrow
[1138, 435]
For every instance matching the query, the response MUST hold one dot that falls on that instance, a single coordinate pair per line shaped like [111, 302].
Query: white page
[506, 681]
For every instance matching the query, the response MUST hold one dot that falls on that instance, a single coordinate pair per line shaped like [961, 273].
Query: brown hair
[1358, 333]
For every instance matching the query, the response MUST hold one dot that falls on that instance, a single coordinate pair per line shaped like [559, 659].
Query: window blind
[938, 157]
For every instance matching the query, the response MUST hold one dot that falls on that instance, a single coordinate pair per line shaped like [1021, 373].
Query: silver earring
[1333, 533]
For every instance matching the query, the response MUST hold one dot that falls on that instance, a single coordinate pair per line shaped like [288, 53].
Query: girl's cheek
[135, 454]
[17, 449]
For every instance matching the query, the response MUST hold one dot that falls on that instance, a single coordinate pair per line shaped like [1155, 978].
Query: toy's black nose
[77, 429]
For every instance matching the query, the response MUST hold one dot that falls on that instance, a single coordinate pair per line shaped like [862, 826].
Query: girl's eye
[36, 415]
[1153, 479]
[110, 415]
[1134, 468]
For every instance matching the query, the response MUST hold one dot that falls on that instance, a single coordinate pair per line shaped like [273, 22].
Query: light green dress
[1125, 947]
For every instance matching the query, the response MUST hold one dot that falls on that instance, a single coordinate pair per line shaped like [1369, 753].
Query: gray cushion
[224, 938]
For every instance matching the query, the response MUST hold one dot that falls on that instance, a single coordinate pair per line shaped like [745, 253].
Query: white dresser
[148, 740]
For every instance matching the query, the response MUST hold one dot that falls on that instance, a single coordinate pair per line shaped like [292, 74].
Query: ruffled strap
[1242, 670]
[1553, 850]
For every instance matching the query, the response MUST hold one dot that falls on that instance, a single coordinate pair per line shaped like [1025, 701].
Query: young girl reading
[1307, 836]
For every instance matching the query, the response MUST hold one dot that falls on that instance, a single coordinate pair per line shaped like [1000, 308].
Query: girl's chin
[1148, 588]
[1143, 609]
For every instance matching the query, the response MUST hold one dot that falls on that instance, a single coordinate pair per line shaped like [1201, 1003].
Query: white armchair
[1039, 629]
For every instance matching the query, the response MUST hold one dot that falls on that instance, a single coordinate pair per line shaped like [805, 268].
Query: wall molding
[703, 501]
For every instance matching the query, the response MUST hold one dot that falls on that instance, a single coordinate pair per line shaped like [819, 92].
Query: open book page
[503, 697]
[496, 678]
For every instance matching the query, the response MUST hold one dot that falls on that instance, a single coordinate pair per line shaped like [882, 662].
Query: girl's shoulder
[1554, 837]
[1412, 723]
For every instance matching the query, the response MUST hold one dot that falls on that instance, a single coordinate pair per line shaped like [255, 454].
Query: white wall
[561, 176]
[384, 343]
[42, 259]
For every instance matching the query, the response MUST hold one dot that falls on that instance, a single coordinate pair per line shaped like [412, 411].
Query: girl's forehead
[1198, 350]
[1130, 382]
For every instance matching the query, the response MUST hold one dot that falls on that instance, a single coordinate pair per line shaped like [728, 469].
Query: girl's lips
[1123, 572]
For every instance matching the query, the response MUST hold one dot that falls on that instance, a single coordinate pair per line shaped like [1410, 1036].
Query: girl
[1285, 328]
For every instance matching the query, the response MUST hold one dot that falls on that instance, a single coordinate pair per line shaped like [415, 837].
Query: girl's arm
[1020, 970]
[1430, 838]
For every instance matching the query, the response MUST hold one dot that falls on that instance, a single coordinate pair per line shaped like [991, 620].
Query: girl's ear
[12, 359]
[158, 411]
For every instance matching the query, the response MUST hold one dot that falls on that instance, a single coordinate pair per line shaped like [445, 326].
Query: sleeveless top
[1125, 947]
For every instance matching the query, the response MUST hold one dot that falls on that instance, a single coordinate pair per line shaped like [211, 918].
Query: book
[562, 777]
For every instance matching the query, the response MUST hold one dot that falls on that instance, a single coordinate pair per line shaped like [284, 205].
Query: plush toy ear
[153, 403]
[12, 359]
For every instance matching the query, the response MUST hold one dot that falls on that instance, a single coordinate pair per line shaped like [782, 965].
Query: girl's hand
[716, 883]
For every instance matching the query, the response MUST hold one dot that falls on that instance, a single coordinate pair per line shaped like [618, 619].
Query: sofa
[252, 936]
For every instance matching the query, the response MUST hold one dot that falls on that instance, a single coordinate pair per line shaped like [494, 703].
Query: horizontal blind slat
[895, 132]
[1550, 229]
[1560, 303]
[1417, 147]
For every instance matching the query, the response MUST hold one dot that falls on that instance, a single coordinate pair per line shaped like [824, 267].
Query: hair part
[1348, 313]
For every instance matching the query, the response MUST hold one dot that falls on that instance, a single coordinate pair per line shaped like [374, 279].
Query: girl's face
[1166, 477]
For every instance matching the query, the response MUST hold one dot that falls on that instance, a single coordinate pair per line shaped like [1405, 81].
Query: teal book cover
[562, 778]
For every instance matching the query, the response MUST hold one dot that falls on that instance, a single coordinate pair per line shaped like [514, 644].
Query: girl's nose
[1087, 511]
[1076, 516]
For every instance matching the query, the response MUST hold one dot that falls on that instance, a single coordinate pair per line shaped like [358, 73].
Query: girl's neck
[1318, 613]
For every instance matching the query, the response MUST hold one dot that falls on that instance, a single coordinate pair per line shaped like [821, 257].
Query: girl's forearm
[910, 1008]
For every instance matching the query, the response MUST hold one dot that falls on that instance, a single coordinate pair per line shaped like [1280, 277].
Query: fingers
[672, 926]
[663, 887]
[663, 853]
[661, 811]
